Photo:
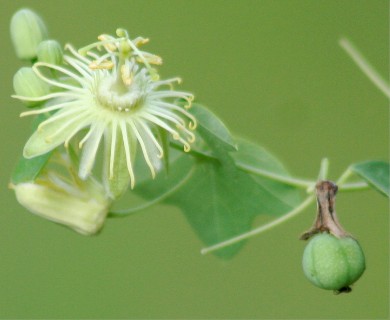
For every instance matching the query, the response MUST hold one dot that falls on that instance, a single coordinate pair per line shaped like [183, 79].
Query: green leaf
[210, 125]
[376, 173]
[219, 200]
[254, 158]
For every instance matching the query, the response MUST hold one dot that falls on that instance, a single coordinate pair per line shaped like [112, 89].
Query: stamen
[83, 51]
[106, 65]
[108, 42]
[150, 58]
[139, 41]
[127, 75]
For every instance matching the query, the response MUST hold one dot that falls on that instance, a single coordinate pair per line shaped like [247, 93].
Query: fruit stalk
[326, 220]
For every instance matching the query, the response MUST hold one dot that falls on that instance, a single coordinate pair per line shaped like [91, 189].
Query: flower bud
[27, 32]
[333, 263]
[50, 51]
[28, 84]
[83, 210]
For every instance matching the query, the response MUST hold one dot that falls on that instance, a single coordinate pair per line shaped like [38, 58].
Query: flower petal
[116, 177]
[54, 133]
[89, 152]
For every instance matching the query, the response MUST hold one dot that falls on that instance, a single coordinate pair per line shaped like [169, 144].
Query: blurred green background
[273, 71]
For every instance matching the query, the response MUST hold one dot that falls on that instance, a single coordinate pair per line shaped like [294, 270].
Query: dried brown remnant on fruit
[326, 220]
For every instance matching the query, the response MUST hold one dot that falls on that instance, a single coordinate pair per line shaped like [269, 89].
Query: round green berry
[333, 263]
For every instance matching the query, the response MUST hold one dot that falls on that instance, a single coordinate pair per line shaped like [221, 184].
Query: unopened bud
[27, 31]
[28, 84]
[83, 210]
[50, 51]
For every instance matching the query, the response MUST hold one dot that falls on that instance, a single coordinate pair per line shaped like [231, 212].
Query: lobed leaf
[376, 173]
[210, 125]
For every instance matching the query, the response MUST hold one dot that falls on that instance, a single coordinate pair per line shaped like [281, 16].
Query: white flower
[117, 96]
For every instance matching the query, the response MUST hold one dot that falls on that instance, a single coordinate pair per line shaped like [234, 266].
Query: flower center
[119, 97]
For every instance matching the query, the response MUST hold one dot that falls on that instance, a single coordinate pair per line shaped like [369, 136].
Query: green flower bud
[27, 32]
[83, 209]
[28, 84]
[333, 263]
[50, 51]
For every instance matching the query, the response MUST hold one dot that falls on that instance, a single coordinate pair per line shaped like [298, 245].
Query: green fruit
[333, 263]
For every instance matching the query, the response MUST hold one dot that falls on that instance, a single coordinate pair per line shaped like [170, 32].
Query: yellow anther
[150, 58]
[140, 41]
[126, 75]
[106, 64]
[108, 46]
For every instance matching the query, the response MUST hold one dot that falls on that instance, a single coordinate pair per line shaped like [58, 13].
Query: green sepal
[118, 183]
[27, 170]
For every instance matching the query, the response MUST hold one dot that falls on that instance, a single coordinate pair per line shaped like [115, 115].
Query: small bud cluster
[81, 205]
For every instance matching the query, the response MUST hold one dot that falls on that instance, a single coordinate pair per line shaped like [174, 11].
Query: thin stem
[324, 169]
[365, 66]
[262, 228]
[301, 183]
[322, 174]
[357, 186]
[344, 177]
[125, 212]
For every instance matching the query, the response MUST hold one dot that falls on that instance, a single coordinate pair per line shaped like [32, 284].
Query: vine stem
[125, 212]
[322, 175]
[309, 200]
[365, 66]
[300, 183]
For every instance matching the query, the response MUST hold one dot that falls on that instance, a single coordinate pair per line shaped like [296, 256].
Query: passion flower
[110, 89]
